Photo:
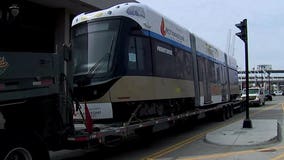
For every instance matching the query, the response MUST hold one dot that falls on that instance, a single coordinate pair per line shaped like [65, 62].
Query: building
[264, 67]
[42, 25]
[272, 80]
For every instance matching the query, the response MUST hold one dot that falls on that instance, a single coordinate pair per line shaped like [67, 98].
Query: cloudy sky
[214, 21]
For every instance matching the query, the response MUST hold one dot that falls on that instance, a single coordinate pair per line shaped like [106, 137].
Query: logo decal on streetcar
[170, 32]
[163, 27]
[136, 11]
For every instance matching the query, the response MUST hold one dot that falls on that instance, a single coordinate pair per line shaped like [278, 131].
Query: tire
[259, 104]
[222, 114]
[23, 147]
[228, 112]
[231, 110]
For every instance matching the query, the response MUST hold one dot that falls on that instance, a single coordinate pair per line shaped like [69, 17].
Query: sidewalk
[264, 131]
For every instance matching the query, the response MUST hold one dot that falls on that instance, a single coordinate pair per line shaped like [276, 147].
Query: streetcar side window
[163, 59]
[211, 71]
[233, 76]
[139, 56]
[184, 64]
[225, 75]
[140, 48]
[132, 56]
[218, 73]
[201, 67]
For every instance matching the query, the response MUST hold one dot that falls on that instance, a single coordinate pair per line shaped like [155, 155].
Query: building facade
[41, 26]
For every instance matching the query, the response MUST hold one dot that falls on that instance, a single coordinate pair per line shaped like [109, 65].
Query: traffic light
[243, 27]
[243, 35]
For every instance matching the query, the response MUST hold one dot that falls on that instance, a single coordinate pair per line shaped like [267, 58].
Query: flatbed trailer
[111, 134]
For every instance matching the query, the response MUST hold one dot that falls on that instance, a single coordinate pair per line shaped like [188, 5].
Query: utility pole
[269, 82]
[244, 36]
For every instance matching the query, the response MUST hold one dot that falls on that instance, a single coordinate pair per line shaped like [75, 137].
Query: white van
[256, 96]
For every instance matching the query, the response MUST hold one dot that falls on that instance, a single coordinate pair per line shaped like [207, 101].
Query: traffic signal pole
[247, 122]
[244, 36]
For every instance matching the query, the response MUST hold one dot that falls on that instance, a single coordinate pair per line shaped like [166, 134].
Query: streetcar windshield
[93, 46]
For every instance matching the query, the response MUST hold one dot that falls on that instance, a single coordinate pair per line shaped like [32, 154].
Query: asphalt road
[187, 142]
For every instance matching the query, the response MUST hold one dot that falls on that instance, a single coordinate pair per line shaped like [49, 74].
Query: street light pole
[269, 82]
[243, 36]
[247, 122]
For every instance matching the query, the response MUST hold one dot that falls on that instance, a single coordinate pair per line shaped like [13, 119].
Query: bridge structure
[271, 80]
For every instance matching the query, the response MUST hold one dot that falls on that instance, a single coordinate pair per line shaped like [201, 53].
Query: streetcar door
[204, 81]
[207, 86]
[224, 83]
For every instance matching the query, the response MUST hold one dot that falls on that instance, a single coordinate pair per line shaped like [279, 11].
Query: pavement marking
[185, 142]
[265, 109]
[220, 155]
[223, 155]
[198, 137]
[279, 157]
[174, 147]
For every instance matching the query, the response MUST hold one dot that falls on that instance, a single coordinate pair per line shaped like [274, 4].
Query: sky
[214, 21]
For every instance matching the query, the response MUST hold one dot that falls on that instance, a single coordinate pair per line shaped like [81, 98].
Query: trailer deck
[105, 134]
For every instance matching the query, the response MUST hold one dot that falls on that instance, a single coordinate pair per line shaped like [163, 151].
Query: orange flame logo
[162, 27]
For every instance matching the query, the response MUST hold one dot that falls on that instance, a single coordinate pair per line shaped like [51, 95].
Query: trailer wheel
[15, 147]
[222, 114]
[231, 111]
[227, 110]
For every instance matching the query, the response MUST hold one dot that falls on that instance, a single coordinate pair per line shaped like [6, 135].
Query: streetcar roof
[146, 17]
[159, 26]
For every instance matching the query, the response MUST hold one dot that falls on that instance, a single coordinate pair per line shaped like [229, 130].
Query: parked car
[256, 96]
[268, 97]
[278, 93]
